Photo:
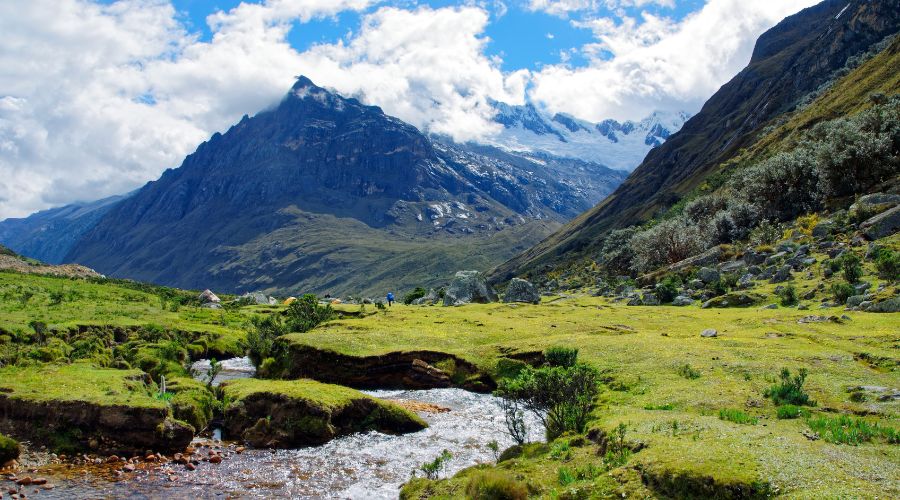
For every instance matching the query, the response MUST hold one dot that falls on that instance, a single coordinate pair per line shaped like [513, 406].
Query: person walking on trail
[390, 298]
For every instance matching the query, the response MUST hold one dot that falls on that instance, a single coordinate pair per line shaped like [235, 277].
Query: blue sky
[522, 37]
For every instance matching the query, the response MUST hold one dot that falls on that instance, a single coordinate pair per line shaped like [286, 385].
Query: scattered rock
[886, 306]
[468, 287]
[682, 301]
[783, 274]
[882, 225]
[650, 299]
[709, 333]
[258, 298]
[215, 459]
[708, 275]
[520, 290]
[770, 306]
[208, 297]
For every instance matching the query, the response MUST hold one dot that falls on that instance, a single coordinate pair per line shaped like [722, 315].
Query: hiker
[390, 298]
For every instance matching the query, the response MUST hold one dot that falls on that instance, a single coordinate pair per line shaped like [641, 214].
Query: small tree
[852, 268]
[515, 419]
[214, 369]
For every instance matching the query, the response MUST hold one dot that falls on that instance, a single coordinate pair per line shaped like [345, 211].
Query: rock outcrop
[469, 287]
[520, 290]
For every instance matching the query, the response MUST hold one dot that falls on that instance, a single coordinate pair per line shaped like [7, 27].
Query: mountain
[325, 194]
[617, 145]
[48, 235]
[791, 63]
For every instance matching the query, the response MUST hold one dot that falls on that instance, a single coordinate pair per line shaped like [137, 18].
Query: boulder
[783, 274]
[635, 301]
[732, 300]
[708, 275]
[520, 290]
[468, 287]
[211, 305]
[882, 225]
[874, 201]
[258, 298]
[885, 306]
[823, 229]
[650, 299]
[709, 333]
[682, 301]
[707, 258]
[208, 297]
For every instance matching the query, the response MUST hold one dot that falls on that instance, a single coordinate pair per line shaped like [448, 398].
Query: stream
[360, 466]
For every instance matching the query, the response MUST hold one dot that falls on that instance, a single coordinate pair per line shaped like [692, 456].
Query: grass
[77, 382]
[9, 449]
[631, 346]
[853, 431]
[110, 303]
[737, 416]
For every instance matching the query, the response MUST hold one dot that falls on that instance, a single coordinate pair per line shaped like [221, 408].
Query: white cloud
[426, 66]
[639, 66]
[97, 99]
[564, 8]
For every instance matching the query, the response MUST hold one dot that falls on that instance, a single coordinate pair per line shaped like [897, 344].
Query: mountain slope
[325, 194]
[790, 61]
[616, 145]
[48, 235]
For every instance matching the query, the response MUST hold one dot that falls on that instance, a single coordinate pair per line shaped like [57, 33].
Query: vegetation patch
[282, 413]
[844, 429]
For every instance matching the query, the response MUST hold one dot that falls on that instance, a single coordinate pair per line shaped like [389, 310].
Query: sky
[98, 97]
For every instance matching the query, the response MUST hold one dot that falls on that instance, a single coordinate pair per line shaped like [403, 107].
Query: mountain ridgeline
[325, 194]
[792, 64]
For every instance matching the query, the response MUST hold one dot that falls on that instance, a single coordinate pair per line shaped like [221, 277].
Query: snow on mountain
[617, 145]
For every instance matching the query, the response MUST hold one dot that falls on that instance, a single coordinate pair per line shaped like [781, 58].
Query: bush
[560, 397]
[261, 338]
[788, 296]
[667, 290]
[617, 255]
[433, 469]
[782, 187]
[495, 485]
[561, 356]
[412, 296]
[790, 389]
[688, 372]
[666, 243]
[565, 476]
[306, 313]
[842, 291]
[705, 208]
[887, 262]
[786, 412]
[737, 416]
[852, 268]
[765, 234]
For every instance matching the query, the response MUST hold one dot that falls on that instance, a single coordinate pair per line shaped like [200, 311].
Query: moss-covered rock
[281, 413]
[193, 402]
[9, 449]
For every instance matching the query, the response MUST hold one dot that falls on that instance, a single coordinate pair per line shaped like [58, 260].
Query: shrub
[261, 338]
[418, 293]
[887, 262]
[561, 356]
[842, 291]
[785, 412]
[852, 268]
[617, 255]
[306, 313]
[688, 372]
[495, 485]
[853, 431]
[765, 234]
[783, 186]
[788, 296]
[737, 416]
[514, 416]
[560, 397]
[666, 243]
[433, 469]
[790, 389]
[617, 452]
[705, 208]
[565, 476]
[667, 290]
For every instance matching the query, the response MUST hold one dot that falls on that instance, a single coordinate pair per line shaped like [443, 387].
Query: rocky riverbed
[367, 465]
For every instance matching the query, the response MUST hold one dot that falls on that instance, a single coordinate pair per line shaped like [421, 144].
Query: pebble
[128, 468]
[215, 459]
[190, 467]
[240, 449]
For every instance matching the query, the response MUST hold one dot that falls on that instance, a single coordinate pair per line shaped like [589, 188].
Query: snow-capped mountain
[617, 145]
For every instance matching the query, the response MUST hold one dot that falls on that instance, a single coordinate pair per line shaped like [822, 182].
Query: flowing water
[364, 466]
[233, 368]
